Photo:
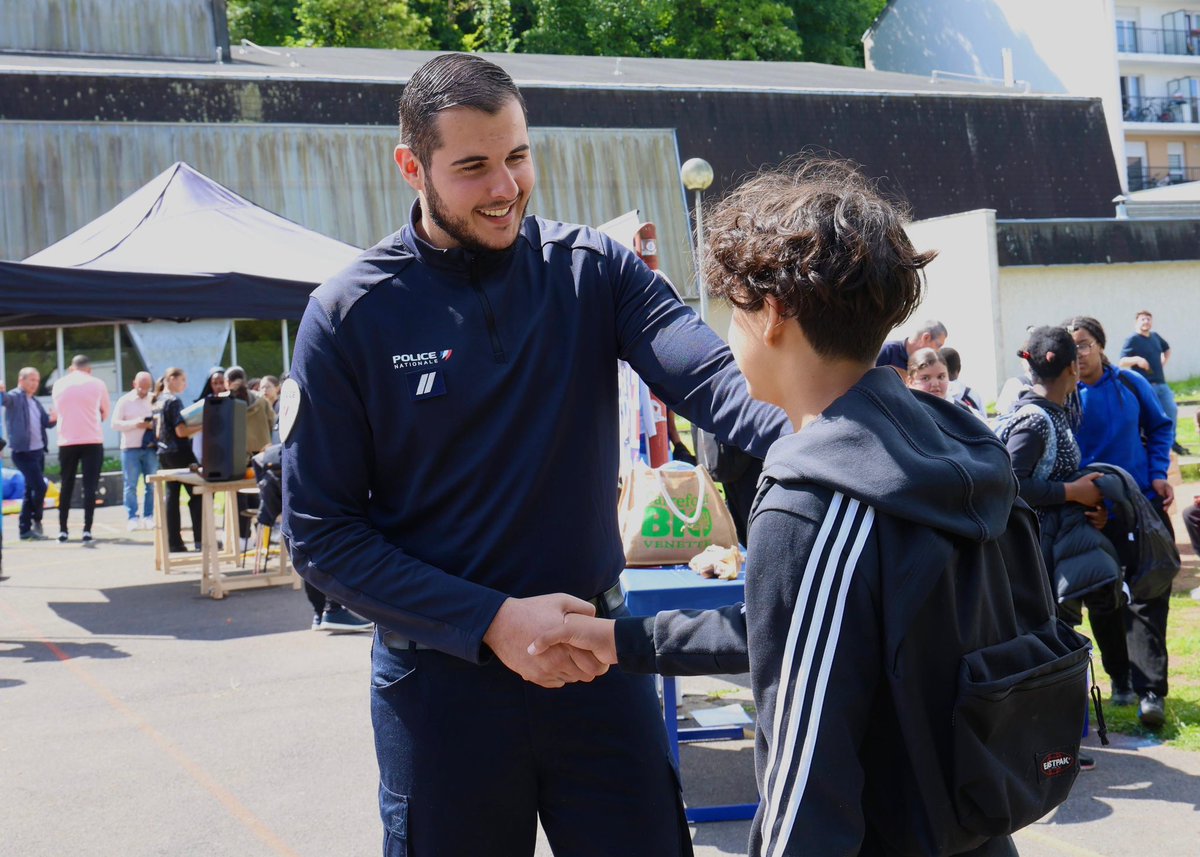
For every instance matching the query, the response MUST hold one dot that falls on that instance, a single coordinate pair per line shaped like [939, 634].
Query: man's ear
[410, 168]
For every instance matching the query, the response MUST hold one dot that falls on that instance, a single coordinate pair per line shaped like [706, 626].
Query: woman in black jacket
[175, 451]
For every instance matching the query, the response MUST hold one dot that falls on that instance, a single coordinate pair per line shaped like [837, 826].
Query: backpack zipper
[497, 347]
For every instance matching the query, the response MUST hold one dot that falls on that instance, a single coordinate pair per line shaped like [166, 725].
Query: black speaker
[223, 455]
[109, 490]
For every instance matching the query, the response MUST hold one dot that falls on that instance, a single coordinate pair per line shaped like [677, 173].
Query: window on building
[1135, 168]
[38, 348]
[1132, 103]
[1127, 36]
[1176, 165]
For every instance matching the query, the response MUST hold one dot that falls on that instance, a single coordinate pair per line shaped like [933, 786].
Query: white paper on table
[726, 715]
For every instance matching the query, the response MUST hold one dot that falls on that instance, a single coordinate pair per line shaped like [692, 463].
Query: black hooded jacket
[856, 619]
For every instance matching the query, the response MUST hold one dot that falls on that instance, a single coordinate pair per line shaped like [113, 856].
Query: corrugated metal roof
[528, 70]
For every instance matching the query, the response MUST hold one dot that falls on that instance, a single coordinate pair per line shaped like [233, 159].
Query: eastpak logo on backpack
[1056, 762]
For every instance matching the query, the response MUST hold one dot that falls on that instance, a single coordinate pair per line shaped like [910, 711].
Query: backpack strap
[1005, 425]
[1123, 377]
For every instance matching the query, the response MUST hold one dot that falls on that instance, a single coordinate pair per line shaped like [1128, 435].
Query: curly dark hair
[1048, 351]
[817, 236]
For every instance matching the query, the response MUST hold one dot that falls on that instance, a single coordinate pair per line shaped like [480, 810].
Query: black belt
[606, 603]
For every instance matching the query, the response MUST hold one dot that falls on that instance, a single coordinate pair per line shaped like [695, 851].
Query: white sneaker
[148, 523]
[133, 524]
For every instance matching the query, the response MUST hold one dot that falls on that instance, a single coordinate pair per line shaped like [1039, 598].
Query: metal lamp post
[697, 175]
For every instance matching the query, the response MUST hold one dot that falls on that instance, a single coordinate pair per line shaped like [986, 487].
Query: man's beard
[459, 229]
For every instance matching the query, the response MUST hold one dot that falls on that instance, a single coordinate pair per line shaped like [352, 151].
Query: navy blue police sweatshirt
[456, 438]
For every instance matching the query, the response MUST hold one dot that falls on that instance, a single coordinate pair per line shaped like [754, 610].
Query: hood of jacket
[908, 454]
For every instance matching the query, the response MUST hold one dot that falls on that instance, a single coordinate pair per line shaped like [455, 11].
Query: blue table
[650, 590]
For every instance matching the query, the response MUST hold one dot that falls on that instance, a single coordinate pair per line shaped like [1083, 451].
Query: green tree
[832, 29]
[597, 27]
[362, 24]
[493, 21]
[264, 22]
[446, 21]
[733, 30]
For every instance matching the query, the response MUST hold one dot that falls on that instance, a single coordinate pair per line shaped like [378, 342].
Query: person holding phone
[139, 453]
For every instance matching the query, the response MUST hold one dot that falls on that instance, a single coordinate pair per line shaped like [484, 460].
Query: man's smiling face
[476, 186]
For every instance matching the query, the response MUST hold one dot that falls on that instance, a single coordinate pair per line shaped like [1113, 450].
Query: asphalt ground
[138, 718]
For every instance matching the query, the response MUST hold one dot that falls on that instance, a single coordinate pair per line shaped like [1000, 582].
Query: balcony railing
[1141, 178]
[1173, 108]
[1145, 40]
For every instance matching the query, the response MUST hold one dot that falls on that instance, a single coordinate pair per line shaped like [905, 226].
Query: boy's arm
[685, 642]
[675, 642]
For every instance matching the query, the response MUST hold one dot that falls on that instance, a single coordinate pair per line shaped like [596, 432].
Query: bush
[54, 471]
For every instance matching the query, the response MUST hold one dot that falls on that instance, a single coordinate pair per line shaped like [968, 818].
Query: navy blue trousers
[471, 756]
[33, 467]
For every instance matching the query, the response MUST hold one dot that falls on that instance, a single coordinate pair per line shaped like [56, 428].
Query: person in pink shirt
[83, 404]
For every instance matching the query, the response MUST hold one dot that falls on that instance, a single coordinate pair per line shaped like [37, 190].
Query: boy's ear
[773, 329]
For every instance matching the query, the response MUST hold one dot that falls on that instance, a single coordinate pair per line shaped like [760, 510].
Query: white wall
[1063, 46]
[1110, 293]
[962, 291]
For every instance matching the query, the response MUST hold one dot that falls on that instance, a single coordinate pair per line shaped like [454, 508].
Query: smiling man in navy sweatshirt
[451, 451]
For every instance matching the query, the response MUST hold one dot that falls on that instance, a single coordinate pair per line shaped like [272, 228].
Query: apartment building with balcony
[1141, 60]
[1158, 59]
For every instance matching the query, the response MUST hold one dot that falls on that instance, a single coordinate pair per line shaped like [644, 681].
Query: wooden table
[221, 569]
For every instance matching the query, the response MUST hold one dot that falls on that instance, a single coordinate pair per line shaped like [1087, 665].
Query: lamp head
[697, 174]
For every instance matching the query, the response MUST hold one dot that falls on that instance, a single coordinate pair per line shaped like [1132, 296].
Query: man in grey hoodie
[862, 520]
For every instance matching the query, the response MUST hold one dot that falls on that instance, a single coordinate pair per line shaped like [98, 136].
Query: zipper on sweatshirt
[489, 317]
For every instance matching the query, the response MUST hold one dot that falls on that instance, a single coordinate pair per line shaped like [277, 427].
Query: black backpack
[994, 742]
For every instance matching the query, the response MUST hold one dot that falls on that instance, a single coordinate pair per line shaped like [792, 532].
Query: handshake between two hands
[552, 640]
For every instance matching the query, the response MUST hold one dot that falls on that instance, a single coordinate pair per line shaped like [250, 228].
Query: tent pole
[117, 359]
[62, 351]
[287, 358]
[3, 360]
[233, 343]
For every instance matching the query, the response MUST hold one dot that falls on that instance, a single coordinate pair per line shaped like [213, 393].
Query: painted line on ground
[206, 781]
[1055, 843]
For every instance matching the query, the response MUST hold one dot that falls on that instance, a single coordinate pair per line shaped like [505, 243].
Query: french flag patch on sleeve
[426, 383]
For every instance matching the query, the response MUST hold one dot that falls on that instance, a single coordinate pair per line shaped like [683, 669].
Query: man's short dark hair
[235, 373]
[1143, 312]
[80, 361]
[953, 362]
[818, 238]
[451, 80]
